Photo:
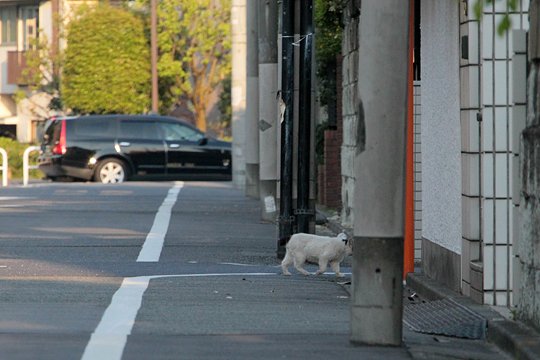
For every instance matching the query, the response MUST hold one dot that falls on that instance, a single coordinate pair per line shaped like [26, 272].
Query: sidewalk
[513, 338]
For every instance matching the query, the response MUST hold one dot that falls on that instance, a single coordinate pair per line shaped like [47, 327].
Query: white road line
[236, 264]
[110, 336]
[153, 244]
[15, 197]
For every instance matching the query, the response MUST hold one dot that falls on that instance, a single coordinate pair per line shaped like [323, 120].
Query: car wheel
[110, 171]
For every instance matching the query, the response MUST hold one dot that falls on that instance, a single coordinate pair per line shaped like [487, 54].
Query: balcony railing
[16, 65]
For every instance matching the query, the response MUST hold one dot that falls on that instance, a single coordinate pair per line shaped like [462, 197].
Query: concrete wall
[7, 106]
[349, 109]
[527, 261]
[441, 140]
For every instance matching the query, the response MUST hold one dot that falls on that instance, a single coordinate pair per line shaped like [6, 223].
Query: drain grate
[444, 317]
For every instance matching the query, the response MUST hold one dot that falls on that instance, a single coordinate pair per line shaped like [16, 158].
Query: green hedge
[15, 151]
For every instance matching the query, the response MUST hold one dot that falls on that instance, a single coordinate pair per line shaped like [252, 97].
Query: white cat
[323, 250]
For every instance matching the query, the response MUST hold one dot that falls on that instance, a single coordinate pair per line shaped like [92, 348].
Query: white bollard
[26, 166]
[4, 167]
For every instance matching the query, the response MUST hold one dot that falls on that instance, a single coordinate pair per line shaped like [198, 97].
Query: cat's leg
[323, 263]
[335, 266]
[287, 261]
[299, 260]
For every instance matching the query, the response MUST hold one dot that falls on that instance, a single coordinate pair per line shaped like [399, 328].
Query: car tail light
[60, 146]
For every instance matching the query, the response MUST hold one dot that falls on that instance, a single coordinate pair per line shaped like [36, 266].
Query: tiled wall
[470, 112]
[487, 156]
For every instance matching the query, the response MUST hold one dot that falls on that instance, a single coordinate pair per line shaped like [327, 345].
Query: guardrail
[4, 167]
[26, 165]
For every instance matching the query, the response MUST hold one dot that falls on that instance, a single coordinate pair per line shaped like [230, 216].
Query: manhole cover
[444, 317]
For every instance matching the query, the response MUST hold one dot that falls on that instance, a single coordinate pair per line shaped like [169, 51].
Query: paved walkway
[501, 336]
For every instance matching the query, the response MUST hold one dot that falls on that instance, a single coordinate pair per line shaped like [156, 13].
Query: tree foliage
[107, 62]
[41, 75]
[505, 23]
[194, 52]
[225, 108]
[329, 32]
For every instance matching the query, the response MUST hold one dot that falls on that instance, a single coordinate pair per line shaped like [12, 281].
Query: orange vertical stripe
[408, 251]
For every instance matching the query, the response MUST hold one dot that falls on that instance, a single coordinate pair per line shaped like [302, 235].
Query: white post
[252, 100]
[26, 166]
[4, 167]
[268, 107]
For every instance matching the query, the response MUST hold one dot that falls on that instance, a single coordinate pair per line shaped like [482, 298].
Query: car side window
[138, 129]
[93, 128]
[180, 132]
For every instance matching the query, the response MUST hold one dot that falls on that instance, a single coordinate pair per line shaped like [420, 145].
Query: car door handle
[125, 143]
[174, 146]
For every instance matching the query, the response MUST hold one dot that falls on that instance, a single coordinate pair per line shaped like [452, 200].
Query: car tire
[111, 171]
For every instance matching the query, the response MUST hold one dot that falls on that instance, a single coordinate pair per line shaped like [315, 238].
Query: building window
[8, 30]
[29, 16]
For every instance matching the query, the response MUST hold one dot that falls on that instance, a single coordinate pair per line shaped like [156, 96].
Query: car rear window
[52, 131]
[93, 128]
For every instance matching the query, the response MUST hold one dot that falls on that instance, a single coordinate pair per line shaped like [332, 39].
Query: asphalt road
[164, 270]
[73, 288]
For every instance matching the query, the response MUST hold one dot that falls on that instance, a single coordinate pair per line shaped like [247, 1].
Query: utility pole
[252, 101]
[55, 38]
[238, 91]
[376, 306]
[154, 55]
[286, 218]
[304, 211]
[268, 107]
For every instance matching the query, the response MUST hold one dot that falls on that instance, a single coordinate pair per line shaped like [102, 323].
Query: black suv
[114, 148]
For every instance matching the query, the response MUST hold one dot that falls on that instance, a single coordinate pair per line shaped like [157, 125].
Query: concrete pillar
[376, 309]
[252, 102]
[268, 107]
[238, 92]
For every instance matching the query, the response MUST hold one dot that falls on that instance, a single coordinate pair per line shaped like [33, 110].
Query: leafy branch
[506, 22]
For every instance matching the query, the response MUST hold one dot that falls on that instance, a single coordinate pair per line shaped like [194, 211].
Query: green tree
[107, 62]
[225, 108]
[194, 52]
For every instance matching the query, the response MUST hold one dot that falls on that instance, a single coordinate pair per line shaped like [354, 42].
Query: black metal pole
[304, 212]
[286, 217]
